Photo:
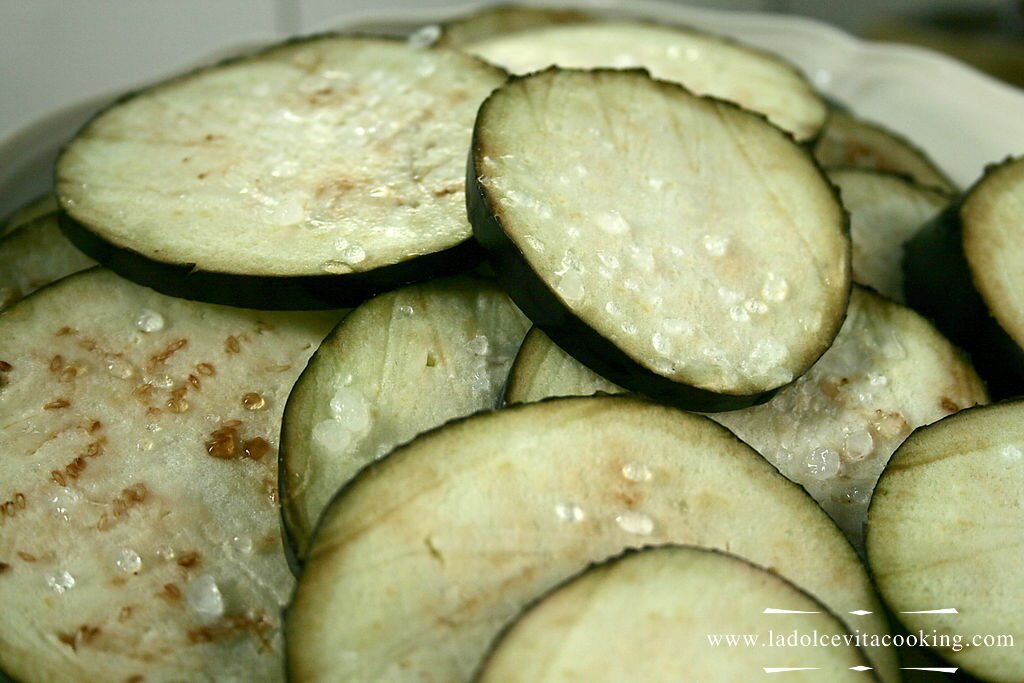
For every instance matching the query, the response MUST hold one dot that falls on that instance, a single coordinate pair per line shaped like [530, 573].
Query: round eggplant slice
[677, 245]
[312, 174]
[541, 370]
[703, 63]
[400, 364]
[419, 562]
[37, 208]
[832, 431]
[36, 254]
[885, 211]
[139, 534]
[501, 20]
[850, 141]
[944, 532]
[651, 615]
[964, 270]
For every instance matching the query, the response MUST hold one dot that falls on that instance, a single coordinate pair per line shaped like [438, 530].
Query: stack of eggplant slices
[536, 347]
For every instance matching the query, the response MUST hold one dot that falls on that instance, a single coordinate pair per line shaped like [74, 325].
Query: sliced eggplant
[888, 372]
[965, 270]
[651, 615]
[37, 208]
[36, 254]
[705, 64]
[312, 174]
[944, 532]
[832, 432]
[677, 245]
[501, 20]
[885, 211]
[541, 369]
[851, 141]
[420, 560]
[400, 364]
[139, 532]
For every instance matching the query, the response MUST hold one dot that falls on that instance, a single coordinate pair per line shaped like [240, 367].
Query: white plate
[962, 117]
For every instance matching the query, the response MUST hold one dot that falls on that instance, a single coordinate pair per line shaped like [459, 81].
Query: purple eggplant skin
[267, 292]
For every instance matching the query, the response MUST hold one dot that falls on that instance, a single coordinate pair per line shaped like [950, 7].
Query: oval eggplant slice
[677, 245]
[400, 364]
[501, 20]
[139, 533]
[37, 208]
[703, 63]
[885, 211]
[944, 531]
[542, 370]
[312, 174]
[650, 615]
[963, 270]
[850, 141]
[36, 254]
[888, 372]
[422, 558]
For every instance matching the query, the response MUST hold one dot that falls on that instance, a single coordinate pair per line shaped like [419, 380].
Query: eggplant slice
[312, 174]
[648, 616]
[832, 432]
[420, 560]
[851, 141]
[888, 372]
[139, 534]
[944, 532]
[542, 370]
[886, 210]
[964, 270]
[400, 364]
[37, 208]
[35, 254]
[677, 245]
[501, 20]
[705, 64]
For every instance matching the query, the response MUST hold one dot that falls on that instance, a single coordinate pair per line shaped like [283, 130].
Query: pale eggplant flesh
[139, 526]
[652, 615]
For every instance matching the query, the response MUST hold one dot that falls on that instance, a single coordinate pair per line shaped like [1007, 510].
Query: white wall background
[57, 52]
